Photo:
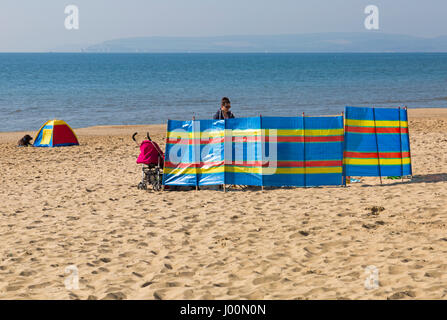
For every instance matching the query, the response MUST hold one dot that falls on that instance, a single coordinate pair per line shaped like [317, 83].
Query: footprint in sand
[266, 279]
[433, 274]
[396, 269]
[13, 288]
[172, 284]
[115, 296]
[402, 295]
[146, 284]
[27, 273]
[185, 274]
[40, 285]
[158, 296]
[100, 270]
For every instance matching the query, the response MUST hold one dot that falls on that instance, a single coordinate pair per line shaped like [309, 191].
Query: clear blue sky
[38, 25]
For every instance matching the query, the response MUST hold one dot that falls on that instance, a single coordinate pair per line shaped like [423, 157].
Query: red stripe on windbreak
[194, 141]
[247, 139]
[383, 155]
[215, 140]
[327, 163]
[285, 164]
[325, 139]
[378, 130]
[323, 163]
[193, 165]
[300, 139]
[290, 139]
[289, 164]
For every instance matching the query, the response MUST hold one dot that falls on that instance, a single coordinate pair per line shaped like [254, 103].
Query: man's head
[225, 104]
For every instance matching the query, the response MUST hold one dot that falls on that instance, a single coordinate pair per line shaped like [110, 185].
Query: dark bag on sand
[25, 141]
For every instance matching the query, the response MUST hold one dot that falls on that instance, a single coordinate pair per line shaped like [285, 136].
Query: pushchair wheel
[154, 179]
[157, 187]
[142, 186]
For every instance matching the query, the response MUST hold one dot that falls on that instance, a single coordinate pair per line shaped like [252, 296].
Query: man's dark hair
[225, 100]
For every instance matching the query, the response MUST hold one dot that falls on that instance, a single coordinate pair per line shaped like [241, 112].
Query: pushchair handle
[135, 134]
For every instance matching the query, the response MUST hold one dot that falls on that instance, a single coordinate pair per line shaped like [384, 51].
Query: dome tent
[55, 133]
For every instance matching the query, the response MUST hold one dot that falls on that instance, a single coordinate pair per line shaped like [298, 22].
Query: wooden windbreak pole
[164, 175]
[304, 150]
[408, 135]
[343, 176]
[377, 145]
[194, 153]
[224, 187]
[225, 160]
[262, 154]
[401, 153]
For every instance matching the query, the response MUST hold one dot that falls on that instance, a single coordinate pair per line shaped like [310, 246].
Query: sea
[123, 89]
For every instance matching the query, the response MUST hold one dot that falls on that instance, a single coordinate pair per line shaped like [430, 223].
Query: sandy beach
[80, 206]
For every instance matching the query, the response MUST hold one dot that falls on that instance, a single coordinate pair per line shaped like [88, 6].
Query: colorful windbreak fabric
[377, 142]
[261, 151]
[194, 153]
[243, 156]
[309, 151]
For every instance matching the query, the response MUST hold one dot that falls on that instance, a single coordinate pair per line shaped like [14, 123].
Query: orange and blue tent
[55, 133]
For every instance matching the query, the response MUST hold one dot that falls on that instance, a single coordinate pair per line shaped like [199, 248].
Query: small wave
[440, 99]
[403, 101]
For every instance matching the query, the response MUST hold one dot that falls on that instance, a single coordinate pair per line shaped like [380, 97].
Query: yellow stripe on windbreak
[258, 170]
[379, 123]
[193, 170]
[256, 132]
[254, 170]
[244, 133]
[212, 134]
[366, 162]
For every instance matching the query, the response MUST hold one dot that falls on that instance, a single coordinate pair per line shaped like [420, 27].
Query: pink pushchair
[152, 160]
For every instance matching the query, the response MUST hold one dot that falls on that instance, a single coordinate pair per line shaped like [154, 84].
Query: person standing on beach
[224, 111]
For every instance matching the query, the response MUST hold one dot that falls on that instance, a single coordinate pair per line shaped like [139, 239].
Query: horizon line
[85, 46]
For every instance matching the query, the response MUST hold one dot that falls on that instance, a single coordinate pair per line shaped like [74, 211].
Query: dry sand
[80, 206]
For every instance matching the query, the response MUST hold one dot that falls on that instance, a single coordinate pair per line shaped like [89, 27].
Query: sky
[38, 25]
